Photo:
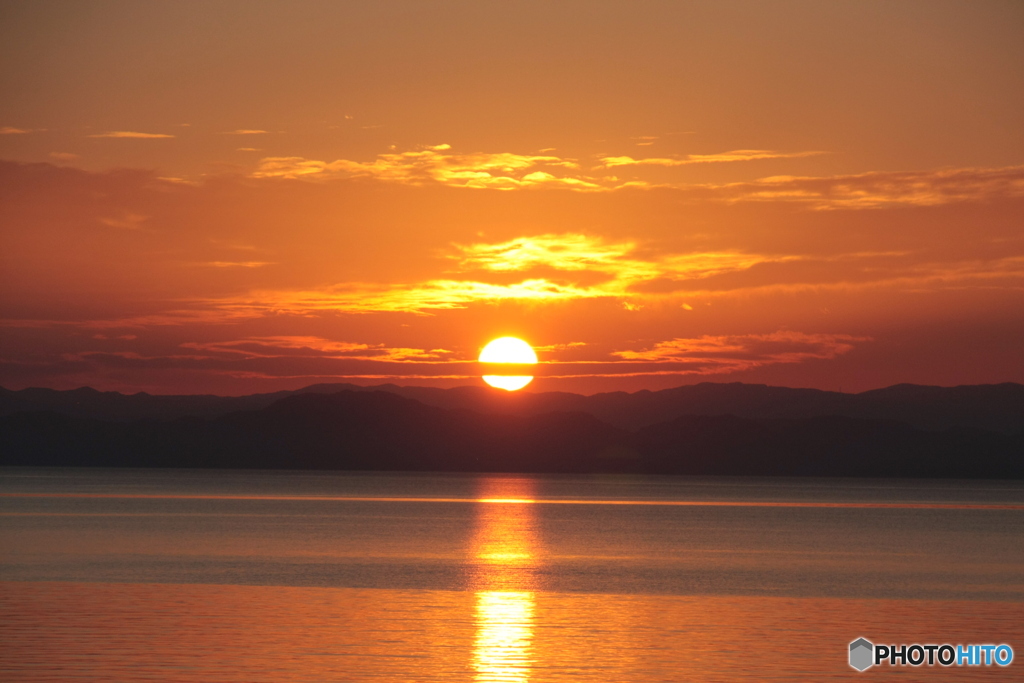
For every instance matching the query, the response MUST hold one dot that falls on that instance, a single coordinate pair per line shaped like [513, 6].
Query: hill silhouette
[992, 407]
[381, 430]
[345, 430]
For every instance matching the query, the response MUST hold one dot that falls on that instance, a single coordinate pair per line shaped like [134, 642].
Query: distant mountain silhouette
[111, 405]
[380, 430]
[345, 430]
[993, 407]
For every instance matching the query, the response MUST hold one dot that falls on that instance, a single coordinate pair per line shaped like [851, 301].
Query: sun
[512, 351]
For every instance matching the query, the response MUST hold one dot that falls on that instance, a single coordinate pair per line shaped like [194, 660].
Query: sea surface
[189, 575]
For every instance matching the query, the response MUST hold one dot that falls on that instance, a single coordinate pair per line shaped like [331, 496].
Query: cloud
[257, 357]
[715, 354]
[577, 252]
[319, 347]
[64, 156]
[722, 157]
[436, 164]
[245, 131]
[569, 346]
[211, 363]
[8, 130]
[574, 258]
[236, 264]
[508, 171]
[565, 252]
[875, 190]
[126, 221]
[644, 140]
[116, 337]
[420, 298]
[498, 170]
[131, 134]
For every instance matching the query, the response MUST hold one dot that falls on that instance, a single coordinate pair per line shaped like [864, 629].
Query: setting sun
[511, 351]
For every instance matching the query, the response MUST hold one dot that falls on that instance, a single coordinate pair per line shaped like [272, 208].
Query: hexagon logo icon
[861, 654]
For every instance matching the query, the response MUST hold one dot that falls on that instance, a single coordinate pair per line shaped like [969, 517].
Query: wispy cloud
[722, 157]
[493, 170]
[312, 346]
[576, 252]
[437, 164]
[127, 220]
[313, 356]
[236, 264]
[245, 131]
[9, 130]
[714, 354]
[131, 134]
[510, 171]
[564, 252]
[644, 140]
[875, 190]
[573, 258]
[419, 298]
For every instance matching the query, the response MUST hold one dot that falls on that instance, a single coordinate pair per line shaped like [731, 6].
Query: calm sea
[159, 575]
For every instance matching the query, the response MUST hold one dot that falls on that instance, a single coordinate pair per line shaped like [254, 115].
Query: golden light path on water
[504, 556]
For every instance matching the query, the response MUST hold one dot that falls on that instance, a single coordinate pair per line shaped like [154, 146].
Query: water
[279, 576]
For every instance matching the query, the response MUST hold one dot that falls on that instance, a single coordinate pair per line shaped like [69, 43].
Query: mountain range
[728, 429]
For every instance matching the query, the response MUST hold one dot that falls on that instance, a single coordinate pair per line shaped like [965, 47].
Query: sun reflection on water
[504, 561]
[504, 636]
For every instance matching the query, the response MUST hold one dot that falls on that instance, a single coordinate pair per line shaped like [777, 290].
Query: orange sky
[234, 197]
